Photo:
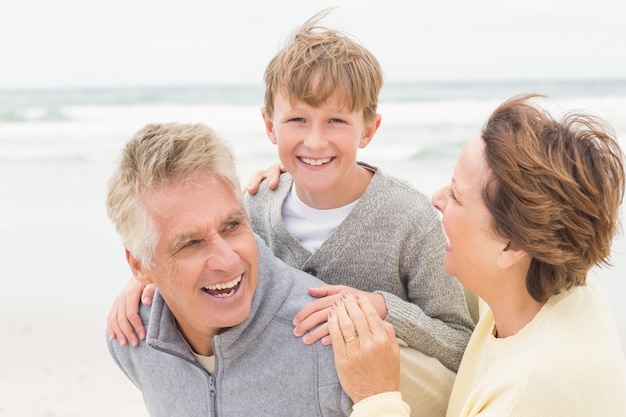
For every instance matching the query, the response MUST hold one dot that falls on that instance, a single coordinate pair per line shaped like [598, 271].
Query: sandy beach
[54, 362]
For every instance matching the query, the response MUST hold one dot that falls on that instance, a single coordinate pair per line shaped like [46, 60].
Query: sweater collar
[273, 285]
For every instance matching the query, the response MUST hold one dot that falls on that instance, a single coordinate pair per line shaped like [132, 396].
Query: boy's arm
[435, 320]
[123, 321]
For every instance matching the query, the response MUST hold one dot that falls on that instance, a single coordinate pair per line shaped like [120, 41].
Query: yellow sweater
[567, 362]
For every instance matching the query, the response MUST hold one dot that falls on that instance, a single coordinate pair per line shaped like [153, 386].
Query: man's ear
[370, 130]
[512, 255]
[269, 125]
[137, 269]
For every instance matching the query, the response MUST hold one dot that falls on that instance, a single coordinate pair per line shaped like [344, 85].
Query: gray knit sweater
[392, 242]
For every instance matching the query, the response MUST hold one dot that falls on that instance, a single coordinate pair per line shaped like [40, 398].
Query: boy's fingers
[374, 322]
[316, 334]
[148, 294]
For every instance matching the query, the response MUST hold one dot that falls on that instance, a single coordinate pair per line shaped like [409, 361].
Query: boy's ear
[269, 125]
[137, 268]
[370, 130]
[511, 255]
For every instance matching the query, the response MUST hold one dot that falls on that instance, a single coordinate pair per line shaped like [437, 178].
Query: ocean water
[58, 149]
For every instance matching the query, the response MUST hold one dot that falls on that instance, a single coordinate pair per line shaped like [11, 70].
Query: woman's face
[471, 254]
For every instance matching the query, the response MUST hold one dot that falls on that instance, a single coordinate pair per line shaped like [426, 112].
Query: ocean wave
[40, 159]
[48, 114]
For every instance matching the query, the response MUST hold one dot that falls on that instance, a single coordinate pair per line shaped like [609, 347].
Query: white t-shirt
[311, 227]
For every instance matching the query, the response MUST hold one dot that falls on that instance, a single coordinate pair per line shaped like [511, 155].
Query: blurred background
[78, 79]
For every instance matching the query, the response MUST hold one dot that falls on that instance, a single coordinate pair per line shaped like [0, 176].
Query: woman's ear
[511, 255]
[137, 269]
[269, 125]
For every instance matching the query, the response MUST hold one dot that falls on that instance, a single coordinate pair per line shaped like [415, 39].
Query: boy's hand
[316, 312]
[272, 174]
[123, 319]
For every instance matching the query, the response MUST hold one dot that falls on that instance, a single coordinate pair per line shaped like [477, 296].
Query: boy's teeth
[221, 286]
[315, 162]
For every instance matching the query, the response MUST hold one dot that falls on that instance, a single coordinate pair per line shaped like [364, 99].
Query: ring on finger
[350, 337]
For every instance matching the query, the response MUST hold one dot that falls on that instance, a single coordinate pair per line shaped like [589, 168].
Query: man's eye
[190, 243]
[232, 225]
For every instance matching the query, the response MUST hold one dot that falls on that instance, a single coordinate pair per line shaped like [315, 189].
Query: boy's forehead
[338, 101]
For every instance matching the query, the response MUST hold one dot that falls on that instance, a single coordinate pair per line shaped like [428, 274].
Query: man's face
[206, 259]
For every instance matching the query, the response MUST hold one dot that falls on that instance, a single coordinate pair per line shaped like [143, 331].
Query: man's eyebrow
[182, 239]
[236, 216]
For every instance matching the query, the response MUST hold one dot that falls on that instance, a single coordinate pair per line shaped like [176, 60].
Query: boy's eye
[336, 120]
[296, 119]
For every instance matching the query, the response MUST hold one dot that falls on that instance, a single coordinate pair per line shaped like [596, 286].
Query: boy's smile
[316, 162]
[318, 147]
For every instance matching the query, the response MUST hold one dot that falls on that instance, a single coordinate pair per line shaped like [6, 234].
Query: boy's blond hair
[318, 62]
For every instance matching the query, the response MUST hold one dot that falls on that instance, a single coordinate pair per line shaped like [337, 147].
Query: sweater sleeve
[435, 319]
[387, 404]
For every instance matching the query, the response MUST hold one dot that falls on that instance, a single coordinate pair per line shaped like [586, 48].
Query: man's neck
[200, 345]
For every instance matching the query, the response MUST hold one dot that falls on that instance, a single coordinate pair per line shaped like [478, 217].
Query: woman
[532, 207]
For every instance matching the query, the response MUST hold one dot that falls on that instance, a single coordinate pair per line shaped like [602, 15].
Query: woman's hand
[367, 355]
[272, 174]
[123, 319]
[316, 312]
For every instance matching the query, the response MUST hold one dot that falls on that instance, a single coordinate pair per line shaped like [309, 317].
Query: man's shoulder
[116, 349]
[264, 193]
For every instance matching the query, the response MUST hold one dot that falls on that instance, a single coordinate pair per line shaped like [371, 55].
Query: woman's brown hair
[555, 190]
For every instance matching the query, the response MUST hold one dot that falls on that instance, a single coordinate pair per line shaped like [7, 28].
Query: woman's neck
[512, 311]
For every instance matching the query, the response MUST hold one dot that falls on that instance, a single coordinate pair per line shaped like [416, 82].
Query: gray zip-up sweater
[392, 242]
[261, 368]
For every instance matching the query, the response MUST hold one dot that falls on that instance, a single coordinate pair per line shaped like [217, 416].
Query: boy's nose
[315, 139]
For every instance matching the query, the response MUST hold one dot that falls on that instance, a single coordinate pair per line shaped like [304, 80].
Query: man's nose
[222, 256]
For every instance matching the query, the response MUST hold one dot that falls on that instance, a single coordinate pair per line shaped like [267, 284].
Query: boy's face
[206, 259]
[318, 145]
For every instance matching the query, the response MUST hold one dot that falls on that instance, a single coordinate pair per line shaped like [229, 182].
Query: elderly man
[219, 332]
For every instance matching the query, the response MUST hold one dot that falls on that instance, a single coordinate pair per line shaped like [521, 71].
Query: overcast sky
[92, 43]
